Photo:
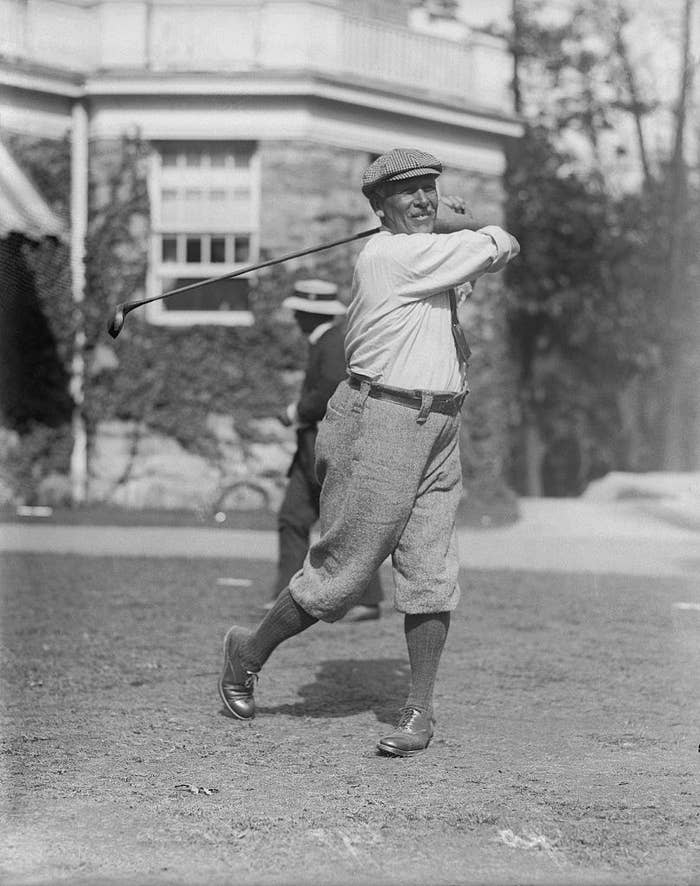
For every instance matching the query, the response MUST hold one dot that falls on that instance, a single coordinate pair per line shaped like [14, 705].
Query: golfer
[387, 452]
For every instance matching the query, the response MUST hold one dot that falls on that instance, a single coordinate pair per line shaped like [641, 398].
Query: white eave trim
[47, 82]
[283, 83]
[426, 107]
[362, 95]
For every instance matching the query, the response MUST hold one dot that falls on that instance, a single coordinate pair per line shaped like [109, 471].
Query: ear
[375, 202]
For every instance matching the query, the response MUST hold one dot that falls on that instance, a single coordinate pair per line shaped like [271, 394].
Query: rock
[269, 458]
[7, 494]
[110, 455]
[270, 430]
[222, 428]
[134, 467]
[232, 458]
[151, 444]
[167, 493]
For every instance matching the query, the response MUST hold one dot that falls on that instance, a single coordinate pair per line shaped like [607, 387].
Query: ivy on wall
[172, 378]
[168, 379]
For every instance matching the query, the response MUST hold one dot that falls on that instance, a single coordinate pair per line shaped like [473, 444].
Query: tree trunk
[636, 105]
[533, 449]
[680, 338]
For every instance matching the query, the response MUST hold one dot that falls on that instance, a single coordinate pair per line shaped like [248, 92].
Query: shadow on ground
[368, 685]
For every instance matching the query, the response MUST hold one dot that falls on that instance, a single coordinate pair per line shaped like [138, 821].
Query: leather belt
[445, 404]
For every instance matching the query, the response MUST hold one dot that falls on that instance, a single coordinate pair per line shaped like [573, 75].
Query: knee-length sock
[425, 637]
[284, 620]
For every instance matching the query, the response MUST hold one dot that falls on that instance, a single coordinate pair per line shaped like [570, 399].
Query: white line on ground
[235, 582]
[693, 606]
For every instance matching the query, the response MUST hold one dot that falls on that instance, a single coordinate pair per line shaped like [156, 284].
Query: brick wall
[311, 195]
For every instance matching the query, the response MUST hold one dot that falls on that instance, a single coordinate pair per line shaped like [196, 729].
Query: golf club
[117, 322]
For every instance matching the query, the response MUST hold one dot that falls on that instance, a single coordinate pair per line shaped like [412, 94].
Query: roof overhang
[360, 93]
[353, 91]
[22, 208]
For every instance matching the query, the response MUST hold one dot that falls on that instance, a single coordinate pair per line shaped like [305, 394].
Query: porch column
[79, 221]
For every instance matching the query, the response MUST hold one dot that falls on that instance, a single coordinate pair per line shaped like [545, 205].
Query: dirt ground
[566, 746]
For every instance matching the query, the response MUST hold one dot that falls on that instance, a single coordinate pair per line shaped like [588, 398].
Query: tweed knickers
[390, 487]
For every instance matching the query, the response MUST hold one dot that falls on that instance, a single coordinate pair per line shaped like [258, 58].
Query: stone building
[201, 138]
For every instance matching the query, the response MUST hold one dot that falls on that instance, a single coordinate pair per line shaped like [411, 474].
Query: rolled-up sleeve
[422, 265]
[504, 245]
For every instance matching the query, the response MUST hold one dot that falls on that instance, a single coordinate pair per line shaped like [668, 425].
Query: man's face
[409, 205]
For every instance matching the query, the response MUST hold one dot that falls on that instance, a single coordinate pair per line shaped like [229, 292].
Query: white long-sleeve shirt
[398, 321]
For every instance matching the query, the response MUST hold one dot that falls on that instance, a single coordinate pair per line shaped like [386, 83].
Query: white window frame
[156, 312]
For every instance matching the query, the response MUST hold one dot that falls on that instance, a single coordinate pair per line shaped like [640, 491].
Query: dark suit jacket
[325, 369]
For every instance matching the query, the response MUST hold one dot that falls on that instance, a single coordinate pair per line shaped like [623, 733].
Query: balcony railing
[220, 37]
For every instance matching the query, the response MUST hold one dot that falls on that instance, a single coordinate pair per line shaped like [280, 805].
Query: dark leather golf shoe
[236, 684]
[413, 733]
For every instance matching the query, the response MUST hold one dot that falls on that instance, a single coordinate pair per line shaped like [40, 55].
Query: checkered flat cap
[399, 163]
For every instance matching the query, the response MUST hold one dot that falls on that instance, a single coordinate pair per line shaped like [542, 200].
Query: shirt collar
[316, 333]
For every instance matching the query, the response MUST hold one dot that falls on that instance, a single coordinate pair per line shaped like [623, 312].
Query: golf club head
[117, 322]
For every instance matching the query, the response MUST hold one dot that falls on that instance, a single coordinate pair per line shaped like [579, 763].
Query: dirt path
[566, 748]
[554, 535]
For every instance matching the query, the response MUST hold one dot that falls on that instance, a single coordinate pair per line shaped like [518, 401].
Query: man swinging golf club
[387, 452]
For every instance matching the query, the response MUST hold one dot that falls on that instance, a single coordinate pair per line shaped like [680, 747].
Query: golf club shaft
[129, 306]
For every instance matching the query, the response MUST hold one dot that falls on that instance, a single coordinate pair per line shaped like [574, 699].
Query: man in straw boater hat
[318, 314]
[387, 452]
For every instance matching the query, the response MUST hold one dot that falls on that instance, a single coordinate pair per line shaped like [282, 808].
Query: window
[217, 250]
[204, 198]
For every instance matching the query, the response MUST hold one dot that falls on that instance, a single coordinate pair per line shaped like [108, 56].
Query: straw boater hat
[315, 297]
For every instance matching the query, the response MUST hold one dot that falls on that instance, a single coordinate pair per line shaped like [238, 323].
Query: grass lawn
[566, 745]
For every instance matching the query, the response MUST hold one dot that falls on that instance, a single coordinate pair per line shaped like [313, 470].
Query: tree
[599, 191]
[602, 298]
[681, 425]
[580, 321]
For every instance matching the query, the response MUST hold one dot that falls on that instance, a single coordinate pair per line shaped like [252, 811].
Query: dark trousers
[297, 515]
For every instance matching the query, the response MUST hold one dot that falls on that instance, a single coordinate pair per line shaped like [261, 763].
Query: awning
[22, 208]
